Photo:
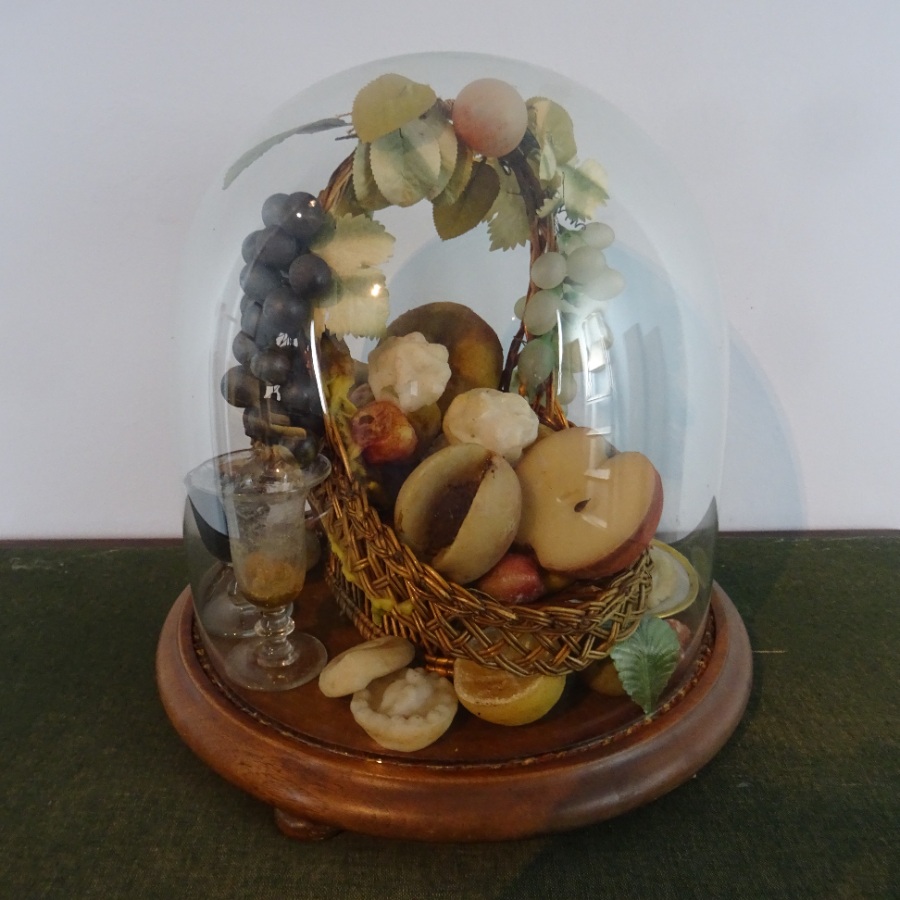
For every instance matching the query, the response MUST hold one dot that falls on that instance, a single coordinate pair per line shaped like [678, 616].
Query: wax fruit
[384, 432]
[586, 510]
[406, 710]
[273, 381]
[356, 667]
[459, 510]
[603, 678]
[409, 371]
[502, 698]
[475, 354]
[501, 421]
[490, 116]
[515, 579]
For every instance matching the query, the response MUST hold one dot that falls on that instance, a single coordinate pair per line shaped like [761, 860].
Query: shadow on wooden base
[592, 758]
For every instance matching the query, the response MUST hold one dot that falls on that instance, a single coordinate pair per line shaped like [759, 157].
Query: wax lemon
[502, 698]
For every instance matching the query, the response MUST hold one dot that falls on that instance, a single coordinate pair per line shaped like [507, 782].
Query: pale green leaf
[509, 227]
[465, 161]
[364, 187]
[645, 661]
[549, 206]
[508, 224]
[583, 189]
[387, 103]
[350, 243]
[547, 167]
[453, 219]
[448, 144]
[552, 127]
[256, 152]
[354, 247]
[358, 304]
[406, 163]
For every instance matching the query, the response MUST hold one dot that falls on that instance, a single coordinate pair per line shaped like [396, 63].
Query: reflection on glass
[222, 609]
[265, 507]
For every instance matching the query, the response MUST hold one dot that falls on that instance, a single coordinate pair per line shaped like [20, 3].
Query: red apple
[515, 579]
[383, 432]
[682, 632]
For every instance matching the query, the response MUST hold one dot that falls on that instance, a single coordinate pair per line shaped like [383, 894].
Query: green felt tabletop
[99, 797]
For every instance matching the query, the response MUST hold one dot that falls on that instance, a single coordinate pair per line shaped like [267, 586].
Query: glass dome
[554, 222]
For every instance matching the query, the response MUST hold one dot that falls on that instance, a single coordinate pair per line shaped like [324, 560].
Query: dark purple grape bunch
[282, 280]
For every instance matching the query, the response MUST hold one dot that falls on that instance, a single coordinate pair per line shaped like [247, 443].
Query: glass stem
[274, 627]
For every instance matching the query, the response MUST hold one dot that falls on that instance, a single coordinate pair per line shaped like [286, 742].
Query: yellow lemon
[498, 696]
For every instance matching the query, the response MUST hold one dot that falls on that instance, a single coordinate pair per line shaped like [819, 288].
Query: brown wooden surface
[590, 759]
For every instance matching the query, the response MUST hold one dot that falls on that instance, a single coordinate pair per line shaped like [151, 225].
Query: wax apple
[515, 579]
[586, 510]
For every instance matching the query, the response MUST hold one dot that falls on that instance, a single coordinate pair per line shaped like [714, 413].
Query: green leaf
[354, 247]
[462, 173]
[364, 187]
[552, 127]
[508, 223]
[256, 152]
[549, 206]
[645, 661]
[387, 103]
[583, 189]
[350, 243]
[547, 167]
[453, 219]
[406, 163]
[448, 144]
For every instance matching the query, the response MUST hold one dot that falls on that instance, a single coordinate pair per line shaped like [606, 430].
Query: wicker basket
[385, 589]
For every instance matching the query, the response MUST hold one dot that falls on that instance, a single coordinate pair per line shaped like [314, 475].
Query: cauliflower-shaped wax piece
[409, 371]
[502, 422]
[406, 710]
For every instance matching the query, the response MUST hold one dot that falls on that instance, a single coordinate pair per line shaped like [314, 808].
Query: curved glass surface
[645, 368]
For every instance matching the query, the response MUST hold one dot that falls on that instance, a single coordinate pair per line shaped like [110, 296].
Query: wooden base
[592, 758]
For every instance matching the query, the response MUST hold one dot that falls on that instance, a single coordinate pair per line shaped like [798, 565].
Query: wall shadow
[762, 487]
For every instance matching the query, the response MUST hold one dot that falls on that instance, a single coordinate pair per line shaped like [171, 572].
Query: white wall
[783, 118]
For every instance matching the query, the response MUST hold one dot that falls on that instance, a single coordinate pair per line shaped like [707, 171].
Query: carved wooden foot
[302, 829]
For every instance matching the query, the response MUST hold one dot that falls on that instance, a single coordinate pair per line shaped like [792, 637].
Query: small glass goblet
[265, 509]
[222, 609]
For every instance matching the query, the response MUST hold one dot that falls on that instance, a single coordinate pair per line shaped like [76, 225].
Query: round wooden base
[590, 759]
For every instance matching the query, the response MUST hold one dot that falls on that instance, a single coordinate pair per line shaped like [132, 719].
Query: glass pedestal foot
[223, 611]
[247, 664]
